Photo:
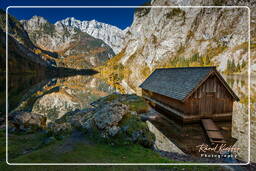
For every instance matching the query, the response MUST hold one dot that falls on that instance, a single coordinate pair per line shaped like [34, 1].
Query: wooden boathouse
[190, 93]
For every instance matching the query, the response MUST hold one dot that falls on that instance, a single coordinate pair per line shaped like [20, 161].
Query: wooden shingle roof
[178, 83]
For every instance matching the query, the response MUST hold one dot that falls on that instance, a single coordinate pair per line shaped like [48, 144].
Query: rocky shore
[116, 120]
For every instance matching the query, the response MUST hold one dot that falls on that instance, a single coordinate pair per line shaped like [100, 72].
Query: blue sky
[120, 17]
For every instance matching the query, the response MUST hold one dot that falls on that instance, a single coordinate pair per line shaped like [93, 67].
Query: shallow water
[187, 137]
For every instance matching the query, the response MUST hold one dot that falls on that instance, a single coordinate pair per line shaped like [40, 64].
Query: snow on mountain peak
[111, 35]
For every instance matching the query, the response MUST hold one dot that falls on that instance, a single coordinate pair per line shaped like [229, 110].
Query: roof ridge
[186, 67]
[185, 78]
[178, 83]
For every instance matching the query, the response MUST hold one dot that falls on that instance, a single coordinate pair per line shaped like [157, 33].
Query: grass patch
[140, 106]
[110, 168]
[135, 103]
[2, 145]
[18, 144]
[91, 153]
[85, 153]
[112, 97]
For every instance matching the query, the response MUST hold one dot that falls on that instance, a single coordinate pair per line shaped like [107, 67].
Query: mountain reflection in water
[55, 97]
[19, 87]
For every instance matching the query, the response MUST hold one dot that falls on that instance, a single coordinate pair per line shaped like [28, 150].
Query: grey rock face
[76, 118]
[46, 35]
[162, 142]
[159, 36]
[118, 122]
[27, 120]
[111, 35]
[110, 115]
[113, 130]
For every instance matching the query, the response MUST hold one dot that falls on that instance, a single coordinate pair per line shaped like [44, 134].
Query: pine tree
[207, 60]
[243, 64]
[228, 66]
[238, 67]
[201, 61]
[233, 66]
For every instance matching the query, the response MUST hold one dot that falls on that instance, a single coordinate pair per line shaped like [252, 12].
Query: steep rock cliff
[175, 37]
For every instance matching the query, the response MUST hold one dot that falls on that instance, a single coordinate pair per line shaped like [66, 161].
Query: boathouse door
[207, 104]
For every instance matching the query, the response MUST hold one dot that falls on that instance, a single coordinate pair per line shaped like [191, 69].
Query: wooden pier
[212, 131]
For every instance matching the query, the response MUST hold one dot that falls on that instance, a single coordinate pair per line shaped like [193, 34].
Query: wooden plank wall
[175, 104]
[211, 97]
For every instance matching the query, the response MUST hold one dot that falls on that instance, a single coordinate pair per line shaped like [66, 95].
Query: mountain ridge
[110, 34]
[75, 49]
[22, 56]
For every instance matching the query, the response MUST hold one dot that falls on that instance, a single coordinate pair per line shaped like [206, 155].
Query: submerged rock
[162, 143]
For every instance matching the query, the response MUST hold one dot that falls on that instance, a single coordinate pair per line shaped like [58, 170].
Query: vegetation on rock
[232, 67]
[116, 119]
[140, 12]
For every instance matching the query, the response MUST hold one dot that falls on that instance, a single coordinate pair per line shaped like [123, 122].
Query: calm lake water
[57, 96]
[65, 94]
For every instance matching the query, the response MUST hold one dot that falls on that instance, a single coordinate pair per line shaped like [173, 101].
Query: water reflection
[57, 96]
[188, 136]
[19, 88]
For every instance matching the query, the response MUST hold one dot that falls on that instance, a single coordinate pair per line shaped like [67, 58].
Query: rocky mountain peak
[75, 49]
[111, 35]
[39, 19]
[34, 23]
